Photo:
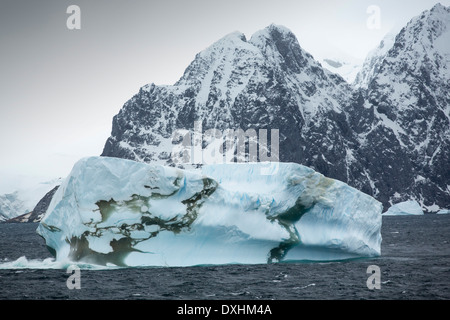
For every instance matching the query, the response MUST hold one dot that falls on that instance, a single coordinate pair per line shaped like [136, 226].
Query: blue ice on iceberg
[111, 211]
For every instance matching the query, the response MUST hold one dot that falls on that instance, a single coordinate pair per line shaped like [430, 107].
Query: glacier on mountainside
[340, 62]
[112, 211]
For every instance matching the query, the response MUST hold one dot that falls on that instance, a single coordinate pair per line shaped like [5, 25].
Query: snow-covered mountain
[404, 128]
[24, 200]
[373, 62]
[264, 83]
[387, 136]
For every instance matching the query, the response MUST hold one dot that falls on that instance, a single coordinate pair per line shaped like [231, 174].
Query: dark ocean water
[415, 264]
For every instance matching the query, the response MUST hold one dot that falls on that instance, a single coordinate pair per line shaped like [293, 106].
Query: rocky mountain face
[268, 82]
[388, 135]
[404, 128]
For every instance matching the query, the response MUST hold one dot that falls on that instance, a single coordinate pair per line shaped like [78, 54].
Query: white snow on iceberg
[126, 213]
[410, 207]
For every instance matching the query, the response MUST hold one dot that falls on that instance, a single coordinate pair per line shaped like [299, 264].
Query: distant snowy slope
[24, 200]
[340, 63]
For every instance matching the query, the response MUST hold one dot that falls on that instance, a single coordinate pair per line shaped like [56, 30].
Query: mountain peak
[423, 39]
[232, 40]
[234, 36]
[272, 33]
[438, 7]
[274, 45]
[279, 28]
[280, 46]
[432, 21]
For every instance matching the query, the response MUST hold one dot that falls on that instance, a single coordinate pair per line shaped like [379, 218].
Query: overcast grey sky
[60, 88]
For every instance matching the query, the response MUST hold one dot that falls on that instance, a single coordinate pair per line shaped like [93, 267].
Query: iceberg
[112, 211]
[410, 207]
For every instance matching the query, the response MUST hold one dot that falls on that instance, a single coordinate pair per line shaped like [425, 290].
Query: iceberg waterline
[48, 263]
[126, 213]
